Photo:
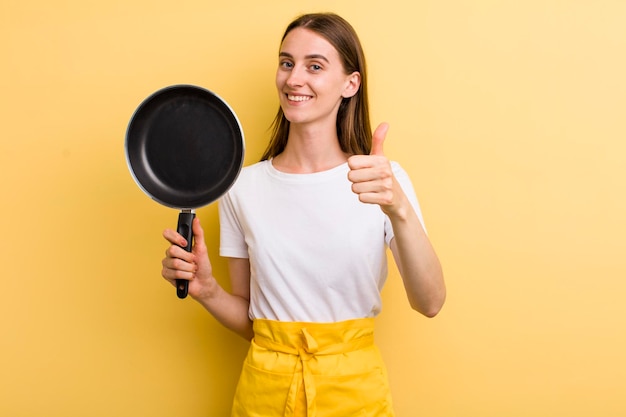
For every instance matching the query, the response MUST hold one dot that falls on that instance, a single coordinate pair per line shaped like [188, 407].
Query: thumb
[198, 232]
[378, 138]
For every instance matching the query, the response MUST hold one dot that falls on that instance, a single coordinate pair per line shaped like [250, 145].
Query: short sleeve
[232, 239]
[407, 186]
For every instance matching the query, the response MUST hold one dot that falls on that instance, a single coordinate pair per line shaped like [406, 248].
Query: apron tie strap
[303, 376]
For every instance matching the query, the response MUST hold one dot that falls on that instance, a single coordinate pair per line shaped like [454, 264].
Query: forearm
[417, 262]
[229, 309]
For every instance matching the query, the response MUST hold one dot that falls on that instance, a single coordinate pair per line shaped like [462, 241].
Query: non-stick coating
[184, 146]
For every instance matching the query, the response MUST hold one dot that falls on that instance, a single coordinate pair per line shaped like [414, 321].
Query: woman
[305, 232]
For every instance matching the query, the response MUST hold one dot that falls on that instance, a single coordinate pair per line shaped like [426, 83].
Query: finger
[356, 162]
[360, 187]
[176, 252]
[173, 274]
[378, 138]
[357, 174]
[176, 268]
[177, 264]
[174, 238]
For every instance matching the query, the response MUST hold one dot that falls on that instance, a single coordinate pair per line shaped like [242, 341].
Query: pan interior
[187, 147]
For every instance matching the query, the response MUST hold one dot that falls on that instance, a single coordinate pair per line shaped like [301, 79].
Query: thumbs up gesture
[371, 175]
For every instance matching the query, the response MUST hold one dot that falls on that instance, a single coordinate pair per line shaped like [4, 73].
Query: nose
[296, 77]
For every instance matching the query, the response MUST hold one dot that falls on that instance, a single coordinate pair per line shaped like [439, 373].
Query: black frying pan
[184, 148]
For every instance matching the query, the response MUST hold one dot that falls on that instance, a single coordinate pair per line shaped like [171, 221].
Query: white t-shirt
[317, 254]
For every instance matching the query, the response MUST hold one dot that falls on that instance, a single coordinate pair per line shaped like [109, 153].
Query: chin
[293, 118]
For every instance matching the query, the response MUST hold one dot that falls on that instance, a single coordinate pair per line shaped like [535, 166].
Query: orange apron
[313, 370]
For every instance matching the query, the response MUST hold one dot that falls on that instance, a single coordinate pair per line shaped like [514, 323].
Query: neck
[310, 150]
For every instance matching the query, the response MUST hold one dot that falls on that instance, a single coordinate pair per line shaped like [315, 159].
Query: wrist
[209, 290]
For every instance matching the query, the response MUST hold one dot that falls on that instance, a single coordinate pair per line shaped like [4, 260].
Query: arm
[374, 183]
[230, 309]
[416, 259]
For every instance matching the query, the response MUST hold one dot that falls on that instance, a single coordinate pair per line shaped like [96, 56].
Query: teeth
[298, 98]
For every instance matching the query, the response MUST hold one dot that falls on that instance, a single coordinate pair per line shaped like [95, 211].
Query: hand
[371, 175]
[193, 266]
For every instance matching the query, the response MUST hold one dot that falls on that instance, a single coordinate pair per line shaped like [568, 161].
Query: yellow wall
[509, 115]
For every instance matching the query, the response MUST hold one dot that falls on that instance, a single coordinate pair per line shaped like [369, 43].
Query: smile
[299, 98]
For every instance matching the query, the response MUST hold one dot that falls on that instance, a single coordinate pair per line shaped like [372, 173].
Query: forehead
[304, 42]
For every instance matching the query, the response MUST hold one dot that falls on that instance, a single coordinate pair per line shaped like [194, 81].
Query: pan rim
[238, 141]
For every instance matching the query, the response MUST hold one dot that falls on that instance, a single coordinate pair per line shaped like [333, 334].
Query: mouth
[298, 98]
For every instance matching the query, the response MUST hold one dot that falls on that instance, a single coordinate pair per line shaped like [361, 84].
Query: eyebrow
[312, 56]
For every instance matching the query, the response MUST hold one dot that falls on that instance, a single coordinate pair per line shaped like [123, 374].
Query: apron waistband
[307, 340]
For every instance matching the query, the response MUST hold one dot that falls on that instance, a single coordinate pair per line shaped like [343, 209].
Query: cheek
[279, 79]
[327, 89]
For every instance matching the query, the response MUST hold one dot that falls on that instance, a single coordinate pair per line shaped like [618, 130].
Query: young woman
[305, 232]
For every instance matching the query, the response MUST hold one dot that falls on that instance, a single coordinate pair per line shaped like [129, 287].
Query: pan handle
[185, 220]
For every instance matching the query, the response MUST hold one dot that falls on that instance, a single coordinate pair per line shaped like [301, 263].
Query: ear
[353, 84]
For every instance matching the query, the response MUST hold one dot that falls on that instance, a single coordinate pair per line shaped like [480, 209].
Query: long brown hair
[353, 122]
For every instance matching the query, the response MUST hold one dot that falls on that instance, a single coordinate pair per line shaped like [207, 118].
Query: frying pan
[184, 148]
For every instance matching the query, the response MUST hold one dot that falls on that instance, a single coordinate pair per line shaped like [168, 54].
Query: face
[311, 79]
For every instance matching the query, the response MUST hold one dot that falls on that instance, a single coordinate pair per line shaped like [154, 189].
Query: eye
[315, 67]
[285, 64]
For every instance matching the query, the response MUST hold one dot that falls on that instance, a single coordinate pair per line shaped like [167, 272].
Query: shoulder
[254, 168]
[251, 173]
[246, 180]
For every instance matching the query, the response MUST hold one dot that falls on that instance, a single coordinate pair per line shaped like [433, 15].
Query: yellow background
[510, 117]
